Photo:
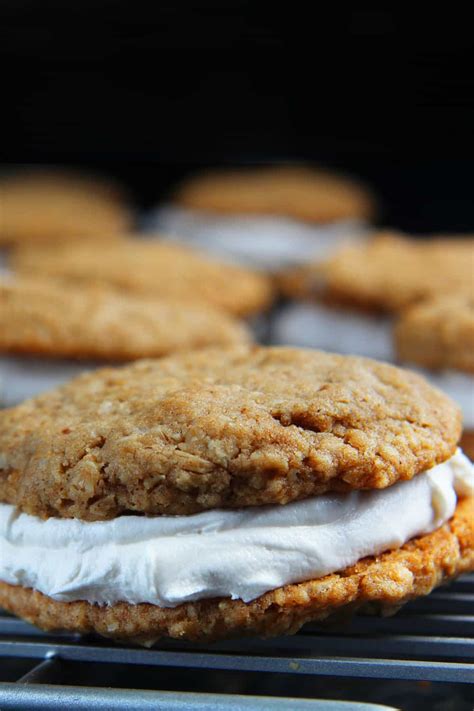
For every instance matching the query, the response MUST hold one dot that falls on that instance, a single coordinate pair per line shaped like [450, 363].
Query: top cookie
[47, 318]
[153, 268]
[233, 427]
[388, 273]
[292, 191]
[438, 333]
[46, 207]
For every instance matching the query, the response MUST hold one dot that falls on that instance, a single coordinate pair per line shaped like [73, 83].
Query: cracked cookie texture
[52, 319]
[228, 427]
[381, 584]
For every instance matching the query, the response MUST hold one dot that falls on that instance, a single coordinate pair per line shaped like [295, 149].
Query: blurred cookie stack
[267, 217]
[82, 287]
[344, 285]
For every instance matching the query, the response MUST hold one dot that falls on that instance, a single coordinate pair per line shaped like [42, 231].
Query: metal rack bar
[57, 698]
[41, 673]
[458, 672]
[452, 625]
[464, 583]
[404, 645]
[408, 645]
[451, 604]
[16, 627]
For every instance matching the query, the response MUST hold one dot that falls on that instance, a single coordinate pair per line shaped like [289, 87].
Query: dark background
[149, 91]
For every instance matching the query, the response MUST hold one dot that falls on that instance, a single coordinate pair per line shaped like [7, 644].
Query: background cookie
[233, 427]
[293, 191]
[438, 333]
[52, 206]
[48, 318]
[153, 268]
[386, 273]
[392, 272]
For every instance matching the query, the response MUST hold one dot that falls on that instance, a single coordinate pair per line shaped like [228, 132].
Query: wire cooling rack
[427, 648]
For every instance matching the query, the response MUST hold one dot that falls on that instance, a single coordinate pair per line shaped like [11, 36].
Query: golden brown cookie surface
[438, 333]
[47, 207]
[241, 426]
[384, 582]
[388, 273]
[152, 268]
[50, 318]
[293, 191]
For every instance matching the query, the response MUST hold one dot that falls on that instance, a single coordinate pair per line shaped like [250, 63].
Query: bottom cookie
[467, 444]
[383, 583]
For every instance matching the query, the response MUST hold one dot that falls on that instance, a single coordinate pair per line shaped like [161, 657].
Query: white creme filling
[263, 241]
[239, 554]
[332, 329]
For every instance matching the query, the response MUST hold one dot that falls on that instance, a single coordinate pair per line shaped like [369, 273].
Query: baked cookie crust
[438, 333]
[51, 319]
[153, 268]
[231, 427]
[292, 191]
[42, 207]
[382, 583]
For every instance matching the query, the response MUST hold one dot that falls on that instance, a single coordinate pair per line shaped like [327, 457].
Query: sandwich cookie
[437, 336]
[267, 217]
[230, 492]
[50, 332]
[354, 297]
